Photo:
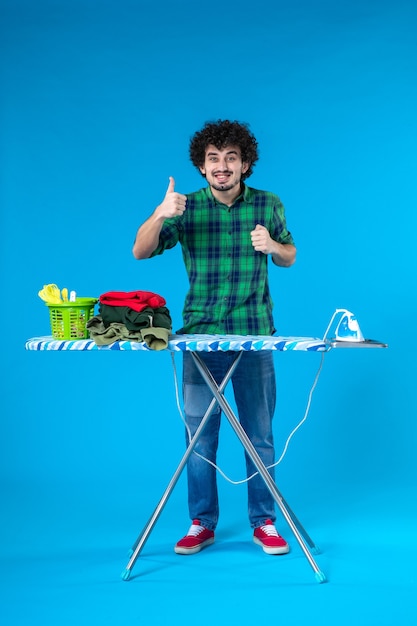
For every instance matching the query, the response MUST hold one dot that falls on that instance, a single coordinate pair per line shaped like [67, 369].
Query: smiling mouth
[222, 178]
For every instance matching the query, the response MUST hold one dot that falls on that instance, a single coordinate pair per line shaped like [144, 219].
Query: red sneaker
[271, 542]
[197, 538]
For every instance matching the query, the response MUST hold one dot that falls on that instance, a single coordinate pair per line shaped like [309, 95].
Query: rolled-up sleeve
[280, 232]
[168, 237]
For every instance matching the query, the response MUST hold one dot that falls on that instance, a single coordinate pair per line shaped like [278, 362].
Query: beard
[224, 186]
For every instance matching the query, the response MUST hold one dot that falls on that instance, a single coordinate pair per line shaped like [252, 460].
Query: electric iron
[345, 325]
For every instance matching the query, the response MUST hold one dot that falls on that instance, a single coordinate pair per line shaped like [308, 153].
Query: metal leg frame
[142, 538]
[292, 521]
[218, 398]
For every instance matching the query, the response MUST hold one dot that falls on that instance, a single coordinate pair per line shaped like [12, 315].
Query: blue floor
[63, 553]
[79, 483]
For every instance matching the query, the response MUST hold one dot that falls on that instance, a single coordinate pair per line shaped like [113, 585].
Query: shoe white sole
[270, 550]
[204, 544]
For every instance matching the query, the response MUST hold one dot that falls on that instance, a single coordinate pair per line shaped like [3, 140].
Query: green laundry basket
[69, 319]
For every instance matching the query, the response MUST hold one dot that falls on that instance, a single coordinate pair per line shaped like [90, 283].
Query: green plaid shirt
[229, 291]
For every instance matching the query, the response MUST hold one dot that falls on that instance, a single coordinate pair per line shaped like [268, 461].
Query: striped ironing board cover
[193, 343]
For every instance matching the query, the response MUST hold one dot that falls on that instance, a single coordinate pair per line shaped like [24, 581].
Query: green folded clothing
[136, 320]
[155, 338]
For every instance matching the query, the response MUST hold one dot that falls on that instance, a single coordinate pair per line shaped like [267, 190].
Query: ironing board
[196, 344]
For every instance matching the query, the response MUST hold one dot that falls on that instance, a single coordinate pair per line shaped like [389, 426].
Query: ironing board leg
[142, 538]
[247, 444]
[313, 547]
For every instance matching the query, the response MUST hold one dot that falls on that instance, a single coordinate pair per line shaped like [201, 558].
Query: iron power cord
[290, 436]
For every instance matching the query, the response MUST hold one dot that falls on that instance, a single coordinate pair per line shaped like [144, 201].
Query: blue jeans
[254, 390]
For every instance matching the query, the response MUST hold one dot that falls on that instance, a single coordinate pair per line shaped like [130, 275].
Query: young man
[227, 231]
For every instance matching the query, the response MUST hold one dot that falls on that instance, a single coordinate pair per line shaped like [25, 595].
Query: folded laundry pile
[131, 316]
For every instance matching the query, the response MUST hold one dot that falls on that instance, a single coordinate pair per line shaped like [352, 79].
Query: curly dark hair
[221, 134]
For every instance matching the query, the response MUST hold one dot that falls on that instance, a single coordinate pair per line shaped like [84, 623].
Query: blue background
[99, 100]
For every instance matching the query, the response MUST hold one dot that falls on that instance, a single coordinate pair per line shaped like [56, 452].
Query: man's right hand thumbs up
[174, 204]
[171, 185]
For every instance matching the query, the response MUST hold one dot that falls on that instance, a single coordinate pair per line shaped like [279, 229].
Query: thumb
[171, 185]
[259, 227]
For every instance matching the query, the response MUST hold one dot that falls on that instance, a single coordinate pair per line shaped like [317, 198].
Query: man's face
[223, 169]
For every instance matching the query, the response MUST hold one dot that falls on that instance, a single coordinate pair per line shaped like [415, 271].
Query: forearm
[283, 254]
[147, 237]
